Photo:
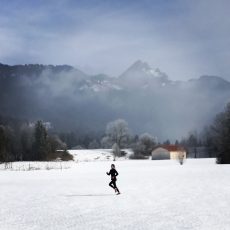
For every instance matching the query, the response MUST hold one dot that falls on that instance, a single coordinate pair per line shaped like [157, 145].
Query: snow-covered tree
[148, 141]
[105, 142]
[116, 151]
[181, 156]
[144, 146]
[118, 132]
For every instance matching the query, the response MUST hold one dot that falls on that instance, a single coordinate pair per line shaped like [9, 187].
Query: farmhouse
[165, 152]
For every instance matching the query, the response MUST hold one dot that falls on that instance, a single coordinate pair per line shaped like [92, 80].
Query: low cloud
[185, 39]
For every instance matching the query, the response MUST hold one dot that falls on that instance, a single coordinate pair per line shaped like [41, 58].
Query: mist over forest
[143, 96]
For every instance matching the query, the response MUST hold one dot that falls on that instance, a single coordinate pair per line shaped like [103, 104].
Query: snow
[100, 86]
[157, 195]
[37, 165]
[95, 154]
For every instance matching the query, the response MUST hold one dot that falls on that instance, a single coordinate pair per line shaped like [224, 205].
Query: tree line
[24, 141]
[213, 139]
[217, 136]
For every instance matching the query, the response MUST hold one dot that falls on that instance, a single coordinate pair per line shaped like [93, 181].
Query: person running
[113, 172]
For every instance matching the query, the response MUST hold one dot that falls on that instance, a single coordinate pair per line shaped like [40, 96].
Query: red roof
[172, 148]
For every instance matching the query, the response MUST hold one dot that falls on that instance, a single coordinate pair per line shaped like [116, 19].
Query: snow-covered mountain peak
[140, 69]
[139, 65]
[142, 75]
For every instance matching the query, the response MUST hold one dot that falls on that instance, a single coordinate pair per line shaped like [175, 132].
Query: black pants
[113, 185]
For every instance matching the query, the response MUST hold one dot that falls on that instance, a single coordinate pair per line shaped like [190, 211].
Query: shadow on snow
[73, 195]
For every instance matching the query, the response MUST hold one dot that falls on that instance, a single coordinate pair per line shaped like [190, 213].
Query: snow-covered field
[96, 154]
[155, 195]
[37, 165]
[82, 155]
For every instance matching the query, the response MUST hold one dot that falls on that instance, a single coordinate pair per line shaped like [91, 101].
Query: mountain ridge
[145, 97]
[137, 65]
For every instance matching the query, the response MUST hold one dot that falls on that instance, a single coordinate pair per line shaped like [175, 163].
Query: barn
[165, 152]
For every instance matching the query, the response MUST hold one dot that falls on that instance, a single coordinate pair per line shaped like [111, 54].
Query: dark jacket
[113, 173]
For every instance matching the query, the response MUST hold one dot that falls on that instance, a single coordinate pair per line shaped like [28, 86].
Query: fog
[147, 99]
[101, 39]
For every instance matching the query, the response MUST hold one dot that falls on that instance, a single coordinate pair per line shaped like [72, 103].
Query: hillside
[146, 97]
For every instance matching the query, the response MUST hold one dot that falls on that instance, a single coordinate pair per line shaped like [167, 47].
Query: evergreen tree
[41, 143]
[3, 141]
[221, 129]
[7, 144]
[27, 140]
[167, 142]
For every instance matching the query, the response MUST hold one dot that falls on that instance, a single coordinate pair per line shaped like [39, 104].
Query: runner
[113, 172]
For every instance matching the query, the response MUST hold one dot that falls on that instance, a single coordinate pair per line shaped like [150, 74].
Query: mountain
[211, 82]
[141, 75]
[144, 96]
[142, 68]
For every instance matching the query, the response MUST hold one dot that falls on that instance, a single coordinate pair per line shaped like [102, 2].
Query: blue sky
[183, 38]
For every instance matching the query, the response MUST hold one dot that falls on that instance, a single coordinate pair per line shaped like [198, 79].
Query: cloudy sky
[183, 38]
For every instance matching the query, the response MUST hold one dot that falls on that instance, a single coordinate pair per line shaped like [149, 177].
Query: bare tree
[117, 132]
[144, 146]
[181, 156]
[116, 151]
[148, 141]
